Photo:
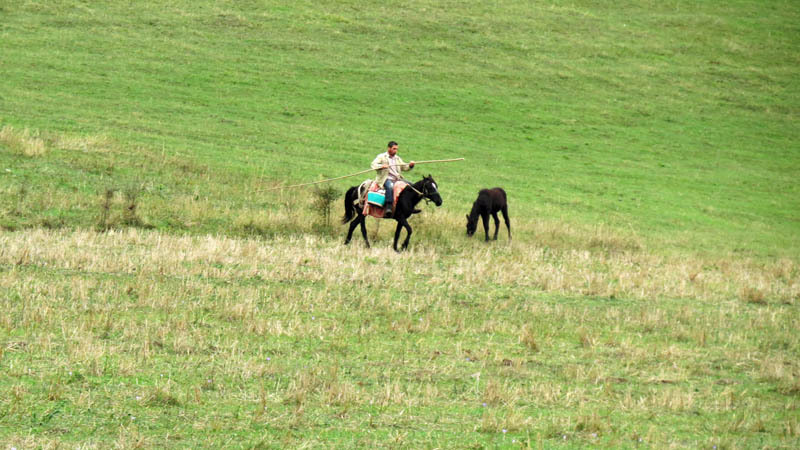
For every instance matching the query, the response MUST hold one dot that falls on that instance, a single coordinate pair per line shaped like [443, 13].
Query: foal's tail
[350, 204]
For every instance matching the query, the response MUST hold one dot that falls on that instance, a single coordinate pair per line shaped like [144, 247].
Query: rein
[415, 190]
[424, 196]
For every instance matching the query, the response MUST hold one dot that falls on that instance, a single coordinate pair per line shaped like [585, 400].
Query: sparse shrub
[128, 217]
[104, 223]
[323, 202]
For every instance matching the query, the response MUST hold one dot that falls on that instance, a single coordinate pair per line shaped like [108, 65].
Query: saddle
[369, 209]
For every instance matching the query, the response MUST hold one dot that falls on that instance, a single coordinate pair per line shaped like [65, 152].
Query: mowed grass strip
[144, 337]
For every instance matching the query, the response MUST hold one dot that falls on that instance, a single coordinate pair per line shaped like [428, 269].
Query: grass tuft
[24, 143]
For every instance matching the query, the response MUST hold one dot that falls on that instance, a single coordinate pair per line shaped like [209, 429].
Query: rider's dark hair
[391, 144]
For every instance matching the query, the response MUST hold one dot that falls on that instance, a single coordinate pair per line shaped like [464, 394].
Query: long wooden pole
[357, 173]
[316, 182]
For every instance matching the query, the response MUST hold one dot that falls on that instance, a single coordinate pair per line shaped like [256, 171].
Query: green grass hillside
[675, 120]
[156, 293]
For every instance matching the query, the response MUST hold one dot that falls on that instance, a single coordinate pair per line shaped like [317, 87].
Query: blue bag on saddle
[376, 198]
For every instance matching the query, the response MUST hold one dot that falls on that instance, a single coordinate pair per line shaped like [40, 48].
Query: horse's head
[472, 224]
[431, 191]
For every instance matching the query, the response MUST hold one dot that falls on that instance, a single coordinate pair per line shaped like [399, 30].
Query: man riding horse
[390, 167]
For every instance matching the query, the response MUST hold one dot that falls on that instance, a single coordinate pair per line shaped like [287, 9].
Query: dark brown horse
[490, 201]
[353, 208]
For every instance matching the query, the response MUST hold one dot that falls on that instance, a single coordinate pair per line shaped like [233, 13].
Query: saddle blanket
[377, 211]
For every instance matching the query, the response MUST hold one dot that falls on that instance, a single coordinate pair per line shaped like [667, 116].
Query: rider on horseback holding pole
[389, 167]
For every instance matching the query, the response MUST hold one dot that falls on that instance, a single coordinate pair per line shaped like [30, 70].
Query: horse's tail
[349, 204]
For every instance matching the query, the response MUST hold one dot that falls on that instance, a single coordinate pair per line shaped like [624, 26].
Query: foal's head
[472, 224]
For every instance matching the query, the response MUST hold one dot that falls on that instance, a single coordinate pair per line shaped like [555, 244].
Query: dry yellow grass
[22, 142]
[630, 274]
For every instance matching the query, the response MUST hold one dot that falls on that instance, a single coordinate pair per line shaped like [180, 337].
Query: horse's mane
[421, 183]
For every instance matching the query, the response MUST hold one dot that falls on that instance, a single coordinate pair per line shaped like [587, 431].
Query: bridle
[425, 194]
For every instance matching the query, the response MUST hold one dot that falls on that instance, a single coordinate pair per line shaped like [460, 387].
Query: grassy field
[137, 338]
[155, 294]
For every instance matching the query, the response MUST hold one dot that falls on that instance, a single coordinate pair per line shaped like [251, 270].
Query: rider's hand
[411, 165]
[385, 166]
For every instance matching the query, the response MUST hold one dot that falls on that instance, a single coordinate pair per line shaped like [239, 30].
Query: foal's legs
[485, 218]
[505, 218]
[496, 225]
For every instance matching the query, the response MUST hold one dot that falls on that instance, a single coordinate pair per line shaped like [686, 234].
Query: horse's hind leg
[364, 229]
[408, 235]
[353, 225]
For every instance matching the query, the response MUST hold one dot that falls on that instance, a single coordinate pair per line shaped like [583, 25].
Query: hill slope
[674, 120]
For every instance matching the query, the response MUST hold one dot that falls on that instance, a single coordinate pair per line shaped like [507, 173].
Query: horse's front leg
[397, 235]
[400, 225]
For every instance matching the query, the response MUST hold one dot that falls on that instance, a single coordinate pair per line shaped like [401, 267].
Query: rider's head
[391, 148]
